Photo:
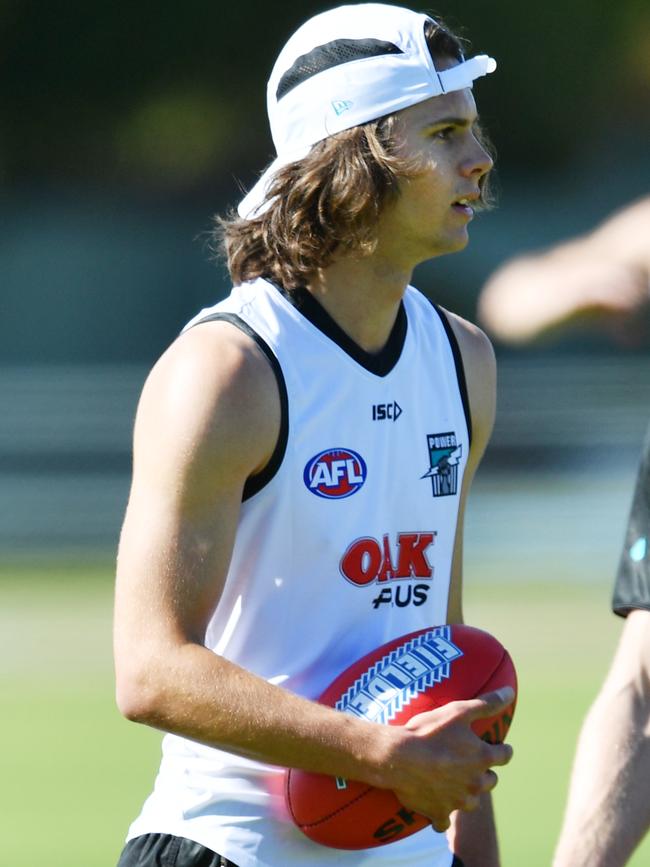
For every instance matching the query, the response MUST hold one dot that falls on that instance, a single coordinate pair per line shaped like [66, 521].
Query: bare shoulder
[479, 365]
[212, 392]
[474, 344]
[478, 358]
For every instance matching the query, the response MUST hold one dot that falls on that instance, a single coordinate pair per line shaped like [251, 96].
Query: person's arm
[602, 276]
[208, 419]
[608, 809]
[472, 835]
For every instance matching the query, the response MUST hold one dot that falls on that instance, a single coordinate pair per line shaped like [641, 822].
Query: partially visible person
[606, 274]
[608, 810]
[603, 274]
[286, 515]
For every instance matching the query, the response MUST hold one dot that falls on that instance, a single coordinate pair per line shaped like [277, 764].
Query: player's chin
[451, 242]
[457, 241]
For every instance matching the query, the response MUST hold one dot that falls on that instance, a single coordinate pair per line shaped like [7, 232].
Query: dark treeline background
[126, 126]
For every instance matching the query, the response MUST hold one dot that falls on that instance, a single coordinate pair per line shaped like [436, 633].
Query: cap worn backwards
[345, 67]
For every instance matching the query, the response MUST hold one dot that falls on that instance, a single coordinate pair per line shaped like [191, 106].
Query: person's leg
[165, 850]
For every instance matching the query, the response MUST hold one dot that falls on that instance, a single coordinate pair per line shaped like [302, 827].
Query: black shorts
[632, 588]
[164, 850]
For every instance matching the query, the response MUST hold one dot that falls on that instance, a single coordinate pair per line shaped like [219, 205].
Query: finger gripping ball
[407, 676]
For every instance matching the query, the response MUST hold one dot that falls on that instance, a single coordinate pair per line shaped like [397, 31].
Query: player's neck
[362, 295]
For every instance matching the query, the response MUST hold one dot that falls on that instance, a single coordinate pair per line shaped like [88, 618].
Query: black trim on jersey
[380, 363]
[460, 367]
[331, 54]
[254, 484]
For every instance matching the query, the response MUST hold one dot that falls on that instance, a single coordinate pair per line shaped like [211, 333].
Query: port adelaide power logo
[444, 456]
[335, 473]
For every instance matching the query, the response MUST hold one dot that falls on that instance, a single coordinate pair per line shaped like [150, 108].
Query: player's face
[432, 213]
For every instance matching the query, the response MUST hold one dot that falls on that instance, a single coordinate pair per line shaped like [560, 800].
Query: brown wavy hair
[328, 201]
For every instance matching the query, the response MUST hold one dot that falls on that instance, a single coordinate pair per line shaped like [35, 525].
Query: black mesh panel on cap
[332, 54]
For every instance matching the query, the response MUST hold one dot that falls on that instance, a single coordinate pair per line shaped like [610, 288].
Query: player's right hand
[442, 765]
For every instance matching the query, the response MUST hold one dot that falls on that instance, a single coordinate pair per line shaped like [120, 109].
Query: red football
[411, 674]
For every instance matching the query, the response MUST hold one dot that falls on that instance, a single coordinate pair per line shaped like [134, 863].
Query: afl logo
[335, 474]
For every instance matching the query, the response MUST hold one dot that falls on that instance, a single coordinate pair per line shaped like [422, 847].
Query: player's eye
[445, 133]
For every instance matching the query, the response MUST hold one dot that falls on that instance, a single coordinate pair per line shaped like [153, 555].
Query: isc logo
[391, 411]
[335, 473]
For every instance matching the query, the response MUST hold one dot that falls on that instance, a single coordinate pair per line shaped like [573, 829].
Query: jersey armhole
[254, 484]
[460, 367]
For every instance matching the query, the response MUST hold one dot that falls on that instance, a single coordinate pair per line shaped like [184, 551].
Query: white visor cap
[345, 67]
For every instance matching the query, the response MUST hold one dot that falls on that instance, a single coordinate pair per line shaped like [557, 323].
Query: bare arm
[602, 275]
[608, 810]
[208, 419]
[472, 835]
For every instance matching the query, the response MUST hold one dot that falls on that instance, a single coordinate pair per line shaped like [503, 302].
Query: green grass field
[75, 773]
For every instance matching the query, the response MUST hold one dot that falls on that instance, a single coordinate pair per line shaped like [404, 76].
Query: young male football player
[303, 454]
[604, 274]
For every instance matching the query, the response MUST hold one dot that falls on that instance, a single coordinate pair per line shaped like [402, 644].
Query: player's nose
[478, 162]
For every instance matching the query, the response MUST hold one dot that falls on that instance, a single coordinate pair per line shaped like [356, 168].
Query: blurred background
[125, 128]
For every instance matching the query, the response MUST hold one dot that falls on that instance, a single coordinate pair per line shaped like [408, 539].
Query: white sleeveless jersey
[344, 542]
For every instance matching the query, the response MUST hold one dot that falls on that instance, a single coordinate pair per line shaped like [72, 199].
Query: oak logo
[368, 560]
